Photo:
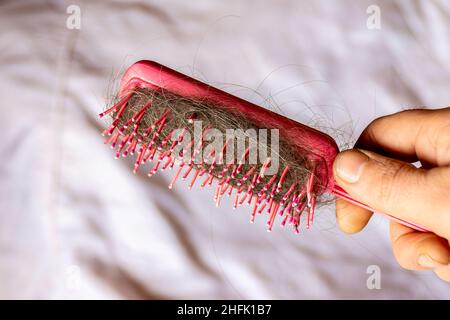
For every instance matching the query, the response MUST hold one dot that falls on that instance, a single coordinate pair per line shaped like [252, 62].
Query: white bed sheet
[75, 223]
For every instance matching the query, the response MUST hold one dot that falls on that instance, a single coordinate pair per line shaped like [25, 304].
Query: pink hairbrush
[154, 114]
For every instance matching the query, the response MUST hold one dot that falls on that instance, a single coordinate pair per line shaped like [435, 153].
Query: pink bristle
[175, 176]
[122, 145]
[263, 170]
[121, 104]
[193, 179]
[261, 208]
[241, 163]
[269, 202]
[255, 208]
[267, 186]
[310, 215]
[287, 194]
[281, 181]
[246, 176]
[273, 213]
[187, 172]
[168, 162]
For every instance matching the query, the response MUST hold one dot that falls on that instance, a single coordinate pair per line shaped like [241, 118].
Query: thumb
[394, 187]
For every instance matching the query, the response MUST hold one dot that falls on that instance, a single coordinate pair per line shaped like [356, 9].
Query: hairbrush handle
[341, 193]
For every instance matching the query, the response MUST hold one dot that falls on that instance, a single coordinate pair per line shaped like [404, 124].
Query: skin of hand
[379, 173]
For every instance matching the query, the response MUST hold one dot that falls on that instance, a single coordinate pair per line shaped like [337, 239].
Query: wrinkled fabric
[75, 223]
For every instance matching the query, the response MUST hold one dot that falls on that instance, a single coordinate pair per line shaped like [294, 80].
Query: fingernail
[349, 165]
[427, 262]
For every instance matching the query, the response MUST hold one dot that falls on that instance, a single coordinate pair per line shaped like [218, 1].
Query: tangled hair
[184, 109]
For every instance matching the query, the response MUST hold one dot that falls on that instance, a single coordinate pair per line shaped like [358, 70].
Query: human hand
[379, 174]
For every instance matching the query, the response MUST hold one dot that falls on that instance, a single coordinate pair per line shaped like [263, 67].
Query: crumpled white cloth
[75, 223]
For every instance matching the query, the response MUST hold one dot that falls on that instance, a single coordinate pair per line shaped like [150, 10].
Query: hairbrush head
[155, 116]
